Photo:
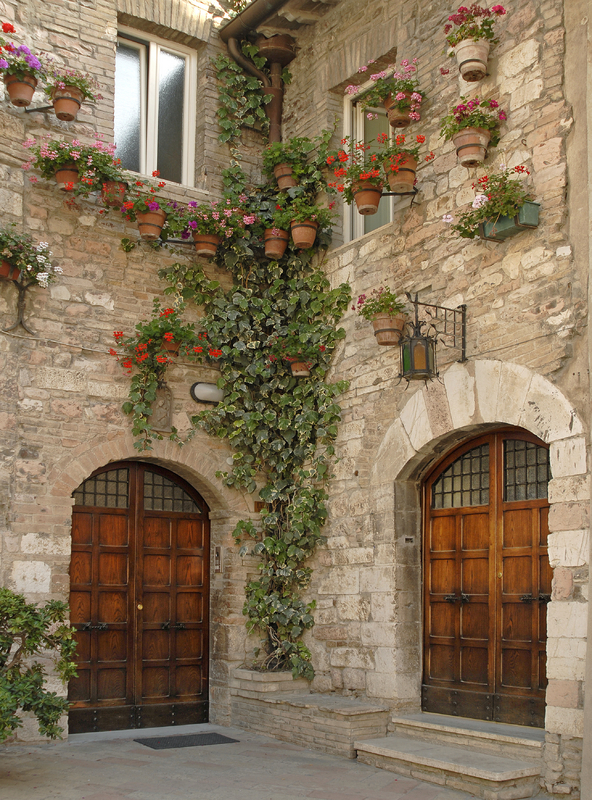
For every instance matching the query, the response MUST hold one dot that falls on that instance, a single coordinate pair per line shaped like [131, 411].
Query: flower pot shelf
[504, 227]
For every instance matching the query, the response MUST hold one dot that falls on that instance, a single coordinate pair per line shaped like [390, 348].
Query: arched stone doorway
[487, 579]
[139, 599]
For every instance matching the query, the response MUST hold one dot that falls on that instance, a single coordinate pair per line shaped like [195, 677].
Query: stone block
[569, 548]
[564, 694]
[340, 581]
[31, 577]
[568, 457]
[567, 620]
[564, 720]
[562, 583]
[351, 657]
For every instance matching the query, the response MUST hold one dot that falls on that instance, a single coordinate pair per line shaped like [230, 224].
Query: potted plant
[300, 348]
[469, 34]
[306, 218]
[359, 178]
[399, 161]
[397, 91]
[25, 260]
[502, 207]
[66, 89]
[281, 160]
[21, 70]
[56, 159]
[100, 171]
[211, 224]
[386, 312]
[277, 226]
[147, 208]
[473, 125]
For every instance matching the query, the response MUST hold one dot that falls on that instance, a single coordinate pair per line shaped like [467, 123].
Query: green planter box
[504, 227]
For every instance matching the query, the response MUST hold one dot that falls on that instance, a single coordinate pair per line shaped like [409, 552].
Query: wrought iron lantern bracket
[20, 307]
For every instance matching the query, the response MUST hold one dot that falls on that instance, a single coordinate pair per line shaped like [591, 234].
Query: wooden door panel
[139, 597]
[487, 580]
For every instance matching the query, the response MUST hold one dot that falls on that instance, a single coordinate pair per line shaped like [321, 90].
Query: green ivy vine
[281, 428]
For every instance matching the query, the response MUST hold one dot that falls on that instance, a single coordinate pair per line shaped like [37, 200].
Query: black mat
[189, 740]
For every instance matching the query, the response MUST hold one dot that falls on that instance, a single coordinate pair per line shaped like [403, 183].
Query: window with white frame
[365, 125]
[155, 84]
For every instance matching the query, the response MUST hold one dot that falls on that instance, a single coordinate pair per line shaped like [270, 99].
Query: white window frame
[353, 122]
[149, 99]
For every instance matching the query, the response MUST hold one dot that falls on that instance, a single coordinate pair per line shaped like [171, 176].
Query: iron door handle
[544, 598]
[102, 626]
[527, 598]
[166, 626]
[450, 598]
[179, 626]
[464, 598]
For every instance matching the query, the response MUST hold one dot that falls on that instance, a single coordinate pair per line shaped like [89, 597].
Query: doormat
[188, 740]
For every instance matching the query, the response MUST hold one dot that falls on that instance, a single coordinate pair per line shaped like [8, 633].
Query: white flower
[58, 270]
[448, 218]
[480, 200]
[41, 259]
[43, 279]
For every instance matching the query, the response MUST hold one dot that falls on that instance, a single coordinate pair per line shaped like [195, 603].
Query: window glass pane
[526, 471]
[128, 105]
[171, 90]
[107, 490]
[372, 128]
[161, 494]
[465, 482]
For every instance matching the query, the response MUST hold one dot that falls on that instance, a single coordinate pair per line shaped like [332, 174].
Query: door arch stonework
[475, 397]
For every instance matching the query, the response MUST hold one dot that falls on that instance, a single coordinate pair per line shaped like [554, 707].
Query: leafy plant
[242, 100]
[221, 218]
[380, 301]
[18, 60]
[31, 258]
[401, 86]
[352, 165]
[499, 195]
[27, 631]
[474, 113]
[472, 23]
[303, 209]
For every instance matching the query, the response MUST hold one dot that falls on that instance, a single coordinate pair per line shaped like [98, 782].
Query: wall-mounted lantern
[420, 337]
[206, 393]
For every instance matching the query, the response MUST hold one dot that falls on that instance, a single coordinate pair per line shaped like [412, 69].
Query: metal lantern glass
[418, 357]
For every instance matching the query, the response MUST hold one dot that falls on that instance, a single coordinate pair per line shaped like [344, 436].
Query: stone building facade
[527, 364]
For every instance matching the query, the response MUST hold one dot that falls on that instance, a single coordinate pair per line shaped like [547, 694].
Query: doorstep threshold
[140, 733]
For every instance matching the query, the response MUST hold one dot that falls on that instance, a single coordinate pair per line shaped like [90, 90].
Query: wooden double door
[139, 594]
[487, 580]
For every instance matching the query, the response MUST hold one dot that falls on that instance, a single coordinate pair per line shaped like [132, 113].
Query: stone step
[488, 776]
[512, 741]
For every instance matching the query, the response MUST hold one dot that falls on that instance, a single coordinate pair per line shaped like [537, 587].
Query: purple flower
[185, 235]
[192, 204]
[192, 224]
[3, 63]
[153, 206]
[22, 49]
[33, 62]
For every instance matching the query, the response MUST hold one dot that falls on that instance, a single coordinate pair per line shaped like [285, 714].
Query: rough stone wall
[527, 307]
[61, 391]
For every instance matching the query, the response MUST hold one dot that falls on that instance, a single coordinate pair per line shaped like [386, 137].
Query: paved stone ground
[257, 768]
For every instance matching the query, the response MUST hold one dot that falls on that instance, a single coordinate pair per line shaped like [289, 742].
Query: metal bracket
[448, 323]
[20, 308]
[40, 108]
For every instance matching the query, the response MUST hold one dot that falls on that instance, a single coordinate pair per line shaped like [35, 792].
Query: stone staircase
[491, 760]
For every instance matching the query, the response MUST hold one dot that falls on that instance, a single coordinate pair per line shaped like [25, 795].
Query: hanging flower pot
[276, 242]
[171, 347]
[150, 224]
[471, 146]
[300, 369]
[113, 193]
[367, 197]
[8, 272]
[67, 102]
[304, 233]
[67, 177]
[388, 329]
[471, 58]
[504, 227]
[402, 179]
[284, 177]
[206, 244]
[20, 90]
[397, 117]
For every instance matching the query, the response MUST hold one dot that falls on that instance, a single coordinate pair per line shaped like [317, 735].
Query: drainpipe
[239, 27]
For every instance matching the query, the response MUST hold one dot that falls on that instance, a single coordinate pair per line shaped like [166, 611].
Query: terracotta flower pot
[112, 193]
[402, 179]
[304, 233]
[171, 347]
[150, 224]
[67, 102]
[471, 146]
[367, 197]
[206, 244]
[471, 58]
[284, 177]
[8, 272]
[20, 90]
[300, 369]
[397, 117]
[276, 242]
[388, 329]
[67, 177]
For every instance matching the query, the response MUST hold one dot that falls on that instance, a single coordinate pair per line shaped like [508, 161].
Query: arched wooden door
[487, 580]
[139, 591]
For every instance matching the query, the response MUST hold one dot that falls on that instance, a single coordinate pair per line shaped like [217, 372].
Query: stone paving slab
[256, 768]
